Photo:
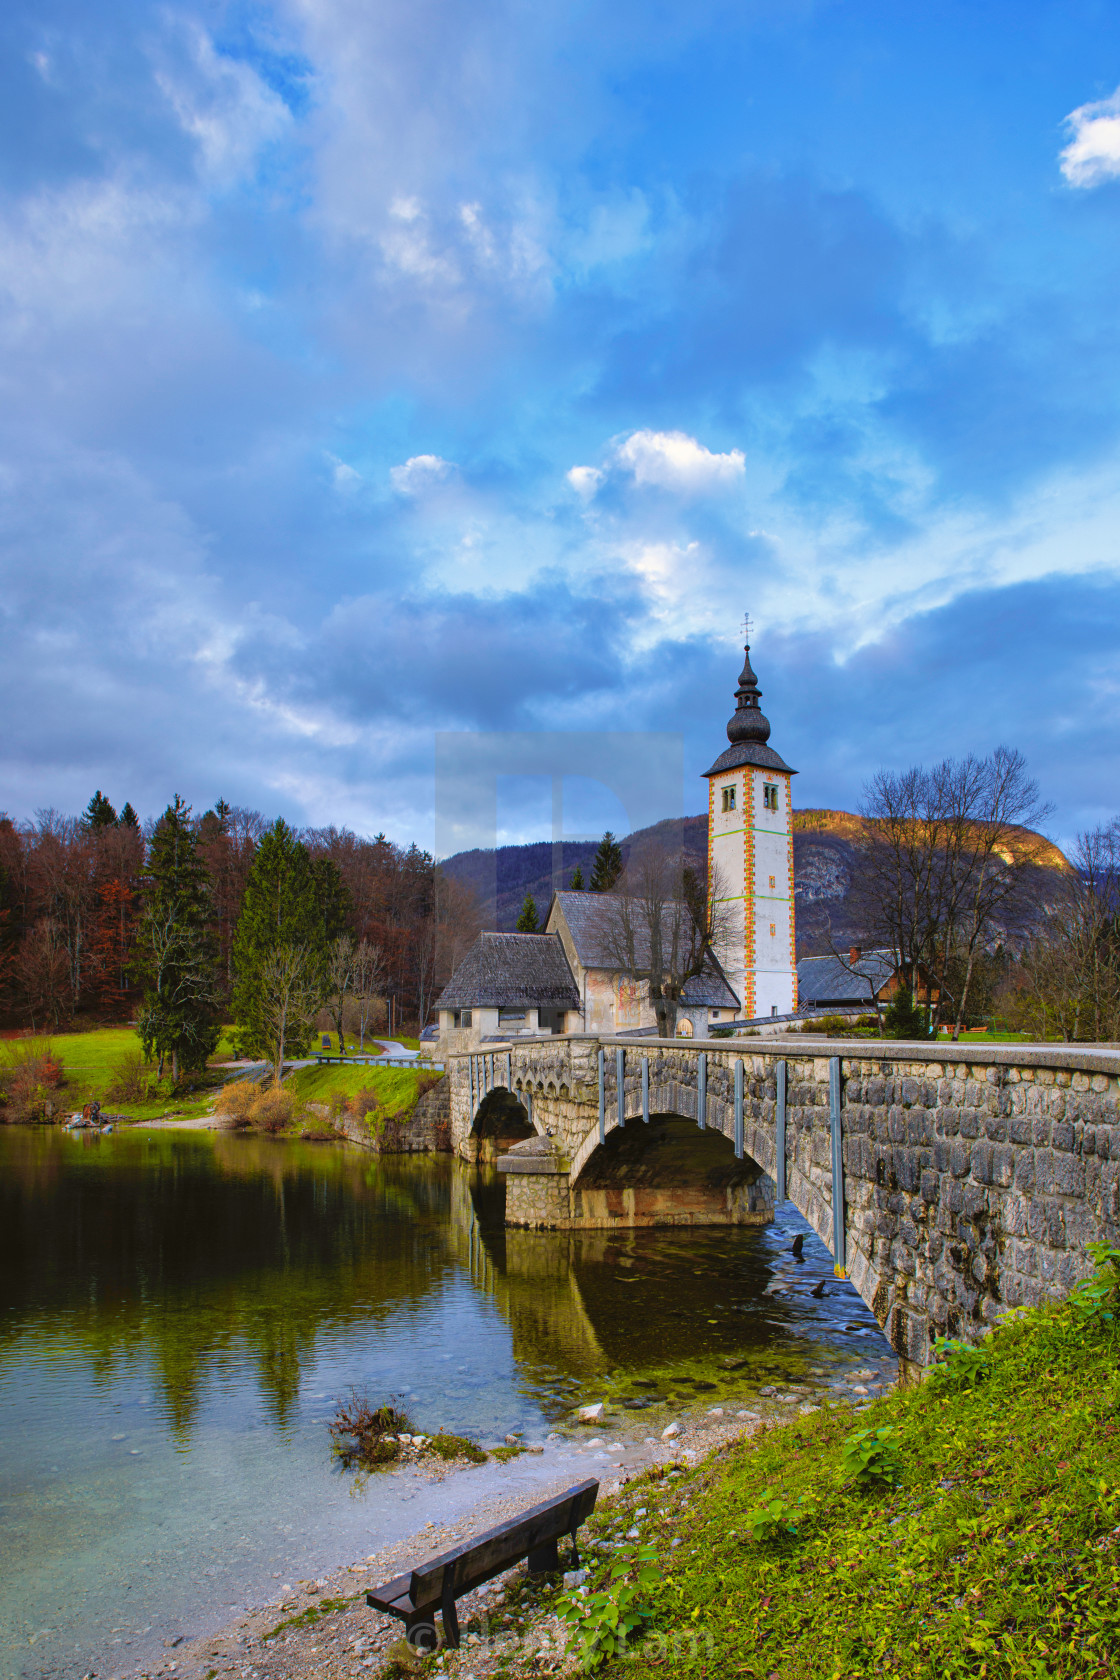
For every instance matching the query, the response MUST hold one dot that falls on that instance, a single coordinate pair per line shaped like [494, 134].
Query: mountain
[824, 853]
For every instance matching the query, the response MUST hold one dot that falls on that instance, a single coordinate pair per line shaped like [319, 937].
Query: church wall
[726, 864]
[772, 906]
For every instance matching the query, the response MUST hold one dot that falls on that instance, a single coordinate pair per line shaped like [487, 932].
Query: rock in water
[591, 1414]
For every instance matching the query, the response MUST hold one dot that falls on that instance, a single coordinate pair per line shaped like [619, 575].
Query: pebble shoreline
[353, 1642]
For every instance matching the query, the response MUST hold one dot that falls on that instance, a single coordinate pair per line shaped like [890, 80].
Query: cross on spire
[747, 627]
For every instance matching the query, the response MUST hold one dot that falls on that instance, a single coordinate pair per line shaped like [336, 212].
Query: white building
[750, 858]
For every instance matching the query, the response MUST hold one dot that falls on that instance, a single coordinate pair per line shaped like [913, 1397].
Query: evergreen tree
[528, 921]
[332, 897]
[607, 866]
[282, 910]
[904, 1018]
[99, 813]
[576, 882]
[176, 957]
[128, 817]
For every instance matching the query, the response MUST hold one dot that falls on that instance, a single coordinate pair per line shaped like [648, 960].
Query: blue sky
[370, 370]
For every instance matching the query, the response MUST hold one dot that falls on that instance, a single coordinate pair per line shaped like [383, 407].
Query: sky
[371, 370]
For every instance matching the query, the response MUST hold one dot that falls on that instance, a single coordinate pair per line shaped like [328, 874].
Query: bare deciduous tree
[945, 853]
[365, 984]
[340, 981]
[291, 991]
[1069, 974]
[659, 924]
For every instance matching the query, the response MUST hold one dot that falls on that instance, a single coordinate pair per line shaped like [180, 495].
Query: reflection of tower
[750, 857]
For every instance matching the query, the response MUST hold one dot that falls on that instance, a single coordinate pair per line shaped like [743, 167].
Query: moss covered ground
[996, 1552]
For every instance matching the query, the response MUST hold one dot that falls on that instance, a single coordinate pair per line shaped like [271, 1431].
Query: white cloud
[420, 473]
[669, 460]
[676, 461]
[1093, 154]
[222, 104]
[585, 481]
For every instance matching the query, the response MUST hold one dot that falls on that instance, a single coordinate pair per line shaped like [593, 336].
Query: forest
[81, 902]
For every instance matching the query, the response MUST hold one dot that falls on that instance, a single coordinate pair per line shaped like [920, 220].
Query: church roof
[585, 914]
[507, 968]
[748, 729]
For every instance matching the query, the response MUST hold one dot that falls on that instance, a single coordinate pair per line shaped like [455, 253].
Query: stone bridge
[969, 1179]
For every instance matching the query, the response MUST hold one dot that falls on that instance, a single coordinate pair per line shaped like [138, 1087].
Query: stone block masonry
[973, 1179]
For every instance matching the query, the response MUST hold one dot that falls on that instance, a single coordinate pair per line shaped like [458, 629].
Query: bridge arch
[666, 1171]
[500, 1120]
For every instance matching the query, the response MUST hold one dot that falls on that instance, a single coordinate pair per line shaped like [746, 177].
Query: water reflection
[180, 1311]
[194, 1253]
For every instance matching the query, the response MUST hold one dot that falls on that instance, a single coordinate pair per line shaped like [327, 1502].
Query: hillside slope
[824, 852]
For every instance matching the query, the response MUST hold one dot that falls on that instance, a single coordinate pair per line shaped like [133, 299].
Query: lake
[182, 1311]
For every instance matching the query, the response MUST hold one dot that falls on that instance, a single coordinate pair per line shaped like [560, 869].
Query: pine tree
[528, 921]
[282, 910]
[176, 958]
[576, 882]
[99, 813]
[904, 1018]
[128, 817]
[607, 866]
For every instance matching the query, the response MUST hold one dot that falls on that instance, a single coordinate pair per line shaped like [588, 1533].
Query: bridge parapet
[971, 1179]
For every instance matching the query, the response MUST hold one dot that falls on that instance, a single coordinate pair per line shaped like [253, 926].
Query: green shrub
[1096, 1302]
[872, 1455]
[776, 1518]
[603, 1620]
[958, 1365]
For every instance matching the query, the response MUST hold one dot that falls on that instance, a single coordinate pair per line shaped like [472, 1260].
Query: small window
[773, 1009]
[770, 795]
[729, 798]
[511, 1015]
[773, 929]
[772, 882]
[463, 1018]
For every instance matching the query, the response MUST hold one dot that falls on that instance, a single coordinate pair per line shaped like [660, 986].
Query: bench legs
[544, 1559]
[420, 1631]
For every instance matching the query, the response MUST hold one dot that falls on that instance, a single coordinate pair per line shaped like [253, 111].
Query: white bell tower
[750, 858]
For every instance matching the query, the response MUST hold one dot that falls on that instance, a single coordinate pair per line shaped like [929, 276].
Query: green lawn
[90, 1061]
[397, 1088]
[991, 1549]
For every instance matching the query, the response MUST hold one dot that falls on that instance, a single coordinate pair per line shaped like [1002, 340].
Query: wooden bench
[435, 1585]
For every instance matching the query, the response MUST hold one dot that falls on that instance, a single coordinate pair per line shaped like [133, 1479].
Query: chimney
[855, 954]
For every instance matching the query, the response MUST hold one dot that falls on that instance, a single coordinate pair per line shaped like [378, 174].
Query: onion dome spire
[748, 722]
[749, 728]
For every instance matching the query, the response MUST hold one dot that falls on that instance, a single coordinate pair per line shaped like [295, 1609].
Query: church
[563, 980]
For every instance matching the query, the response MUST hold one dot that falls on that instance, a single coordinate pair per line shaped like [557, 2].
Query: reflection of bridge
[969, 1180]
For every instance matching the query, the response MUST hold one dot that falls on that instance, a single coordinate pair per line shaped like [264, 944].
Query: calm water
[180, 1312]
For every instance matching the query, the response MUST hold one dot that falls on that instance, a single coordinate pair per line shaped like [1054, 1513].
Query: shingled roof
[823, 980]
[586, 913]
[507, 968]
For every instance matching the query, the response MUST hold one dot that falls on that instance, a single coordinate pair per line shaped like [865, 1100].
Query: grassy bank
[992, 1547]
[397, 1088]
[92, 1066]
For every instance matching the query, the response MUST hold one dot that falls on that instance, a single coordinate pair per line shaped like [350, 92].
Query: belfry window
[729, 798]
[770, 795]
